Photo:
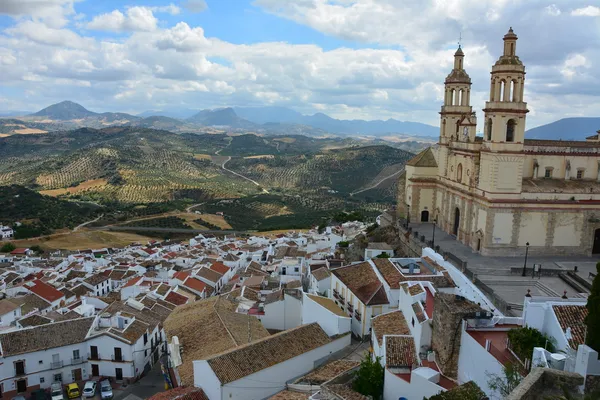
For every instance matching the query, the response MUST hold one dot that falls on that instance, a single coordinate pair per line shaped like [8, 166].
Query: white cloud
[553, 10]
[589, 11]
[195, 6]
[170, 9]
[136, 19]
[53, 12]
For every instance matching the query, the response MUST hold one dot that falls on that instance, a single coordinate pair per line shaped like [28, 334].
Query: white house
[99, 284]
[9, 312]
[376, 249]
[6, 232]
[326, 313]
[242, 372]
[320, 281]
[281, 310]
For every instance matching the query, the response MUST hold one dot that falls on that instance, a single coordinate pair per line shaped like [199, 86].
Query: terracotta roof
[250, 294]
[45, 291]
[162, 289]
[207, 327]
[558, 143]
[423, 159]
[133, 281]
[68, 294]
[195, 284]
[328, 371]
[80, 290]
[389, 272]
[345, 392]
[264, 353]
[392, 323]
[415, 289]
[7, 306]
[29, 303]
[181, 393]
[133, 332]
[209, 274]
[95, 280]
[363, 282]
[219, 267]
[418, 310]
[321, 274]
[327, 304]
[176, 298]
[34, 320]
[45, 337]
[295, 284]
[75, 274]
[289, 395]
[400, 352]
[254, 281]
[572, 317]
[181, 275]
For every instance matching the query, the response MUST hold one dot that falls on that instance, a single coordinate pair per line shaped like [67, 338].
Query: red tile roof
[133, 281]
[45, 291]
[181, 275]
[195, 284]
[176, 298]
[19, 250]
[219, 267]
[181, 393]
[572, 317]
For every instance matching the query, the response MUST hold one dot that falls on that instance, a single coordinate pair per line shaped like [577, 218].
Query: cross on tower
[459, 39]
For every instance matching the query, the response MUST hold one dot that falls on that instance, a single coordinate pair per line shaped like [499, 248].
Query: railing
[77, 360]
[336, 294]
[342, 301]
[350, 308]
[357, 315]
[94, 356]
[116, 358]
[56, 364]
[19, 371]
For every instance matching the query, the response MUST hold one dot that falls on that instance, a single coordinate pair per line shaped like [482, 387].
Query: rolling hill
[566, 129]
[65, 110]
[221, 117]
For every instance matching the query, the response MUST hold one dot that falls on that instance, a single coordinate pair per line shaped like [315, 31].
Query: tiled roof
[45, 337]
[176, 298]
[80, 290]
[363, 282]
[209, 275]
[207, 327]
[195, 284]
[400, 352]
[572, 317]
[95, 280]
[133, 332]
[45, 291]
[327, 304]
[328, 371]
[418, 310]
[389, 272]
[264, 353]
[181, 275]
[321, 273]
[274, 296]
[254, 281]
[415, 290]
[133, 281]
[29, 303]
[181, 393]
[219, 267]
[423, 159]
[250, 294]
[162, 289]
[289, 395]
[295, 284]
[34, 320]
[344, 392]
[392, 323]
[68, 294]
[75, 274]
[7, 306]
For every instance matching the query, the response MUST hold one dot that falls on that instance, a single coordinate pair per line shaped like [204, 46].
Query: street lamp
[407, 215]
[526, 252]
[433, 237]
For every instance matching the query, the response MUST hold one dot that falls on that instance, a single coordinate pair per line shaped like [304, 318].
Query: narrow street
[144, 388]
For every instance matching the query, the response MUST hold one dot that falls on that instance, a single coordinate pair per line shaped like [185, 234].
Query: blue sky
[370, 59]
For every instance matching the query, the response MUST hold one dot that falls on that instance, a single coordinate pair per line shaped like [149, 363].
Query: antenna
[459, 39]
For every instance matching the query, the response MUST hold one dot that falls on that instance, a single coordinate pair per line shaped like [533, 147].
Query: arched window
[461, 93]
[515, 96]
[502, 90]
[489, 129]
[459, 173]
[510, 130]
[492, 90]
[452, 94]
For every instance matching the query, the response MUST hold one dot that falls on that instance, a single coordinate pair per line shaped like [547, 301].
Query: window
[489, 129]
[145, 353]
[20, 368]
[41, 362]
[145, 338]
[15, 313]
[413, 322]
[510, 130]
[580, 173]
[57, 377]
[296, 269]
[459, 173]
[548, 173]
[42, 379]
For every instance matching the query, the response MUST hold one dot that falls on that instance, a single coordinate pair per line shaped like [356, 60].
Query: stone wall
[545, 383]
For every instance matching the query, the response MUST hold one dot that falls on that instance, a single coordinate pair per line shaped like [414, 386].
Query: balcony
[118, 358]
[19, 371]
[56, 364]
[342, 301]
[336, 294]
[358, 316]
[94, 356]
[75, 361]
[350, 308]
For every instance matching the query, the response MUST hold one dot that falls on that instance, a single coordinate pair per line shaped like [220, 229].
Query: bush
[523, 340]
[7, 248]
[369, 377]
[343, 244]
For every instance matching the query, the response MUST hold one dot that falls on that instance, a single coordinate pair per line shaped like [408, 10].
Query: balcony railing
[336, 294]
[94, 356]
[342, 301]
[117, 358]
[350, 308]
[56, 364]
[77, 360]
[19, 371]
[357, 315]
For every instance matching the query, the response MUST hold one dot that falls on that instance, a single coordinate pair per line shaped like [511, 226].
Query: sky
[350, 59]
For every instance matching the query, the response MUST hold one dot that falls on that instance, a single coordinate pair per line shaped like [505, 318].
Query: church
[501, 193]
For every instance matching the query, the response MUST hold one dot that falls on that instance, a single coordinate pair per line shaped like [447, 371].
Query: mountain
[178, 113]
[221, 117]
[577, 128]
[65, 110]
[14, 113]
[262, 115]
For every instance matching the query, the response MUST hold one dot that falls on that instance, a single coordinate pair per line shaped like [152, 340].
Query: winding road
[378, 182]
[86, 223]
[240, 175]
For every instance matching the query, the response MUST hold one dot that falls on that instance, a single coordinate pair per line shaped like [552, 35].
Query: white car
[89, 390]
[106, 390]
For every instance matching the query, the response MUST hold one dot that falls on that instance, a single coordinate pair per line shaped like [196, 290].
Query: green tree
[592, 320]
[369, 377]
[466, 391]
[523, 340]
[507, 382]
[7, 248]
[343, 244]
[383, 255]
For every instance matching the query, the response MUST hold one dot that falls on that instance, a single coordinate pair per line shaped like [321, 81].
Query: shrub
[369, 377]
[523, 340]
[7, 248]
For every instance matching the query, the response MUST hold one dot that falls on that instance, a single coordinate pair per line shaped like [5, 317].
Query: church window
[513, 88]
[510, 130]
[459, 173]
[580, 172]
[548, 173]
[502, 89]
[489, 129]
[452, 95]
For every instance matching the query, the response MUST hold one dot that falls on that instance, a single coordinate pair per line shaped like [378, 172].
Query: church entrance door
[596, 247]
[456, 222]
[425, 216]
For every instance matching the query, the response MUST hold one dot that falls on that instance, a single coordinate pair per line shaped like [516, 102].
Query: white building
[6, 232]
[375, 250]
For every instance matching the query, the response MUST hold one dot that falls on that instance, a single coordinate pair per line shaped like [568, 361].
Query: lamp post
[407, 215]
[526, 252]
[433, 236]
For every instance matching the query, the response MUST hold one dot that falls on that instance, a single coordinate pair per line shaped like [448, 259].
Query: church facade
[501, 193]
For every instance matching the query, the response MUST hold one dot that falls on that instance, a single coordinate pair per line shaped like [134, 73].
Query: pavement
[148, 386]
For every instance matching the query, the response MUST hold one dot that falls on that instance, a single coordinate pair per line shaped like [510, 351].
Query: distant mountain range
[566, 129]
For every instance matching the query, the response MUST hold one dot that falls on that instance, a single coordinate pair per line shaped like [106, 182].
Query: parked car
[73, 391]
[56, 391]
[89, 390]
[39, 394]
[106, 390]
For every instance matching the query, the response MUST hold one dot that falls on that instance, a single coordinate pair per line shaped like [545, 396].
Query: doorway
[95, 370]
[22, 386]
[425, 216]
[478, 244]
[596, 247]
[456, 222]
[118, 374]
[94, 353]
[76, 375]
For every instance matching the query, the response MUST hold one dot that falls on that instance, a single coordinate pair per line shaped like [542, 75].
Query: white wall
[254, 387]
[331, 323]
[9, 317]
[282, 315]
[418, 388]
[205, 378]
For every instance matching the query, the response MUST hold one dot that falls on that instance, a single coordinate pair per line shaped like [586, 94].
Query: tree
[507, 382]
[7, 248]
[592, 320]
[343, 244]
[523, 340]
[466, 391]
[383, 255]
[369, 377]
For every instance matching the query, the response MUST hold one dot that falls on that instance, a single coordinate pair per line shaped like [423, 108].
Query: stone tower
[504, 130]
